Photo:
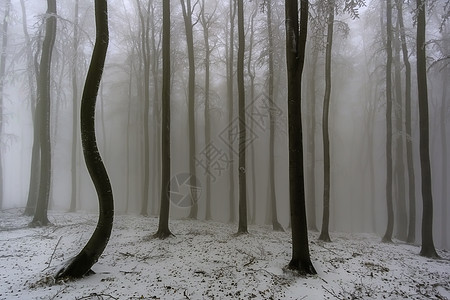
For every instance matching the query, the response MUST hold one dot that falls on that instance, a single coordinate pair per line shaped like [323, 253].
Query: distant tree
[272, 121]
[2, 84]
[324, 234]
[163, 228]
[390, 208]
[188, 11]
[296, 34]
[205, 21]
[427, 249]
[81, 264]
[73, 197]
[40, 216]
[144, 20]
[229, 48]
[242, 127]
[33, 79]
[409, 152]
[399, 167]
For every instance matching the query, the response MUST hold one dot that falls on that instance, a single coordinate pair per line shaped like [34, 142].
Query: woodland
[320, 124]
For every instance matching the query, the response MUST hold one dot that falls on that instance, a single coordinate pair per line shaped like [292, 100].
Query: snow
[205, 260]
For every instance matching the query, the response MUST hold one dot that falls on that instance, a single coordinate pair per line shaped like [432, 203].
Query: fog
[357, 114]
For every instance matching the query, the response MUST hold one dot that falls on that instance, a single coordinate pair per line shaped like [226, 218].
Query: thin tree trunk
[2, 84]
[82, 263]
[444, 187]
[242, 127]
[311, 156]
[427, 249]
[390, 210]
[187, 16]
[324, 234]
[230, 95]
[399, 171]
[272, 120]
[296, 34]
[144, 23]
[73, 198]
[409, 152]
[40, 216]
[205, 21]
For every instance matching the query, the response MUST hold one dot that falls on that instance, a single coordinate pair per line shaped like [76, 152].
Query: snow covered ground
[206, 261]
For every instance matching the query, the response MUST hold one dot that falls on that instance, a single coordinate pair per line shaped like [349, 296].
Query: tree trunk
[2, 84]
[444, 187]
[206, 22]
[399, 171]
[409, 153]
[163, 228]
[390, 209]
[230, 96]
[324, 235]
[187, 16]
[40, 215]
[35, 152]
[81, 264]
[272, 121]
[311, 149]
[295, 58]
[242, 127]
[427, 249]
[144, 23]
[73, 198]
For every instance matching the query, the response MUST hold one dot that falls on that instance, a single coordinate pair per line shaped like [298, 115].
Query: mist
[357, 114]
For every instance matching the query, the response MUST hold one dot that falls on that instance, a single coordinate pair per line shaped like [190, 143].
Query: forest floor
[205, 260]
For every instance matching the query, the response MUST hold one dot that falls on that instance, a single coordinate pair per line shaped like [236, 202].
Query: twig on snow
[53, 254]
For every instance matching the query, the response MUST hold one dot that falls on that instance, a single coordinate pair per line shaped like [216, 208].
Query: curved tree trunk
[324, 234]
[295, 59]
[163, 228]
[82, 263]
[40, 215]
[427, 249]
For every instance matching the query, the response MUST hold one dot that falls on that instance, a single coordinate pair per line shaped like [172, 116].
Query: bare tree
[81, 264]
[409, 151]
[295, 57]
[242, 127]
[188, 11]
[2, 84]
[163, 228]
[272, 121]
[390, 209]
[73, 198]
[230, 96]
[40, 216]
[427, 249]
[324, 235]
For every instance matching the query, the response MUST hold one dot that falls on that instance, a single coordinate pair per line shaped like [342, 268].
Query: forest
[231, 149]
